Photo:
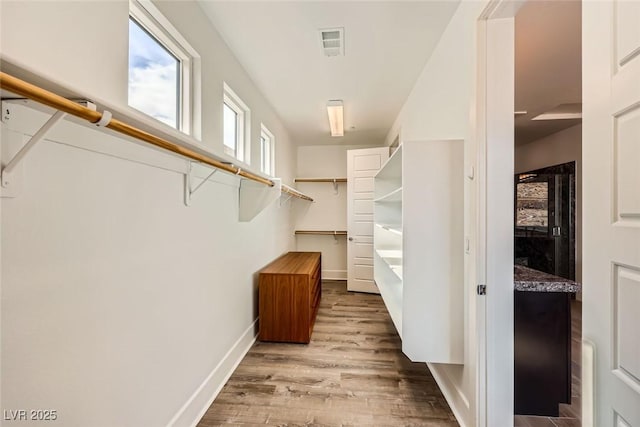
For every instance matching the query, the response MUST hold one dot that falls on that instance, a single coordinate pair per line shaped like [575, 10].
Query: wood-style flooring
[569, 414]
[351, 373]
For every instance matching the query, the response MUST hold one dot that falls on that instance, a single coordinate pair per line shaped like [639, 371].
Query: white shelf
[397, 270]
[393, 259]
[391, 256]
[391, 228]
[390, 286]
[389, 178]
[392, 168]
[394, 196]
[418, 259]
[387, 233]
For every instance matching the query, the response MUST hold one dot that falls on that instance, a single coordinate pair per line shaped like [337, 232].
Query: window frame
[236, 151]
[150, 19]
[267, 135]
[243, 125]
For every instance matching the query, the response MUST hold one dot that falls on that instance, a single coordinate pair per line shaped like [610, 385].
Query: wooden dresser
[289, 297]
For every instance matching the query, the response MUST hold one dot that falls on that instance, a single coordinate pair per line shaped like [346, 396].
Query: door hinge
[481, 289]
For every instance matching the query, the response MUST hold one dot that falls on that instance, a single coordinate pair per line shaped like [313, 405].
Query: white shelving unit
[419, 247]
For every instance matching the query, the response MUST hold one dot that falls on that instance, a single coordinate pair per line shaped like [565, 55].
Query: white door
[611, 194]
[362, 165]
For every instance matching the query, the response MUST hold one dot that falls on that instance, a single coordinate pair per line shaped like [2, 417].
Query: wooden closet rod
[322, 232]
[295, 193]
[38, 94]
[321, 180]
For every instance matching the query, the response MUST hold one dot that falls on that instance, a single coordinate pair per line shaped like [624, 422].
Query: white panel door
[611, 194]
[362, 165]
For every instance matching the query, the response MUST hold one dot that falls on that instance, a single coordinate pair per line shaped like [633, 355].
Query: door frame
[494, 133]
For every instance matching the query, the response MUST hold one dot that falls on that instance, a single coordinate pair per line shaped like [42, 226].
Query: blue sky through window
[153, 76]
[230, 127]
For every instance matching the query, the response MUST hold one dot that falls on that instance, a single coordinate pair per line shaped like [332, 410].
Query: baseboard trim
[334, 274]
[447, 388]
[195, 407]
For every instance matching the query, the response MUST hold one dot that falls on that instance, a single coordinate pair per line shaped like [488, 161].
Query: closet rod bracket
[24, 151]
[189, 190]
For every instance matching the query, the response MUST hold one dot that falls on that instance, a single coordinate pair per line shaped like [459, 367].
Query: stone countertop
[530, 280]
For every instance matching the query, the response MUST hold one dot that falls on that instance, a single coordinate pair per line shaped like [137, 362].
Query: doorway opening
[547, 214]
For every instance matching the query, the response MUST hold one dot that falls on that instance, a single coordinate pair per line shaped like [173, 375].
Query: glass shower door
[545, 220]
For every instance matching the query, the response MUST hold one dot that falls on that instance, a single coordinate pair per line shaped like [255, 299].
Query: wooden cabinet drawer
[315, 295]
[314, 283]
[289, 296]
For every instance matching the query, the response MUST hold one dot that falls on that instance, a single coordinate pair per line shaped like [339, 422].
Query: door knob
[351, 239]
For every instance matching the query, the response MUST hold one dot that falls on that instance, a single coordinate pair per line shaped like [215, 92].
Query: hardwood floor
[569, 414]
[351, 373]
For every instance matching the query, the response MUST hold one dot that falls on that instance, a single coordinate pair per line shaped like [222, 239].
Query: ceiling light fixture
[335, 110]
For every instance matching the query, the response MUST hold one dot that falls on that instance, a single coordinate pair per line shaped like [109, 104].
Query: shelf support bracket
[280, 202]
[335, 186]
[24, 151]
[255, 197]
[189, 190]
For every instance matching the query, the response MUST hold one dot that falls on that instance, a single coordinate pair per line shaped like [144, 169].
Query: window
[154, 76]
[231, 131]
[236, 122]
[267, 150]
[162, 66]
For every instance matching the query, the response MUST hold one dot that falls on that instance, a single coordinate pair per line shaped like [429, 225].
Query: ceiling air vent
[332, 40]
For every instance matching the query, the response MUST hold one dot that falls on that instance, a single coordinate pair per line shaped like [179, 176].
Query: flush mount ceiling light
[335, 110]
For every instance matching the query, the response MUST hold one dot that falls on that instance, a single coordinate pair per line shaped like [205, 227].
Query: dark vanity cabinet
[542, 342]
[542, 352]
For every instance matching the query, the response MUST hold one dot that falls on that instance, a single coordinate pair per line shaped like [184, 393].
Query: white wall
[561, 147]
[120, 305]
[441, 106]
[329, 211]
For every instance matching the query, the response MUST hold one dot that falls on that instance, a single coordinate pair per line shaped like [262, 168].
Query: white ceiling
[548, 65]
[387, 44]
